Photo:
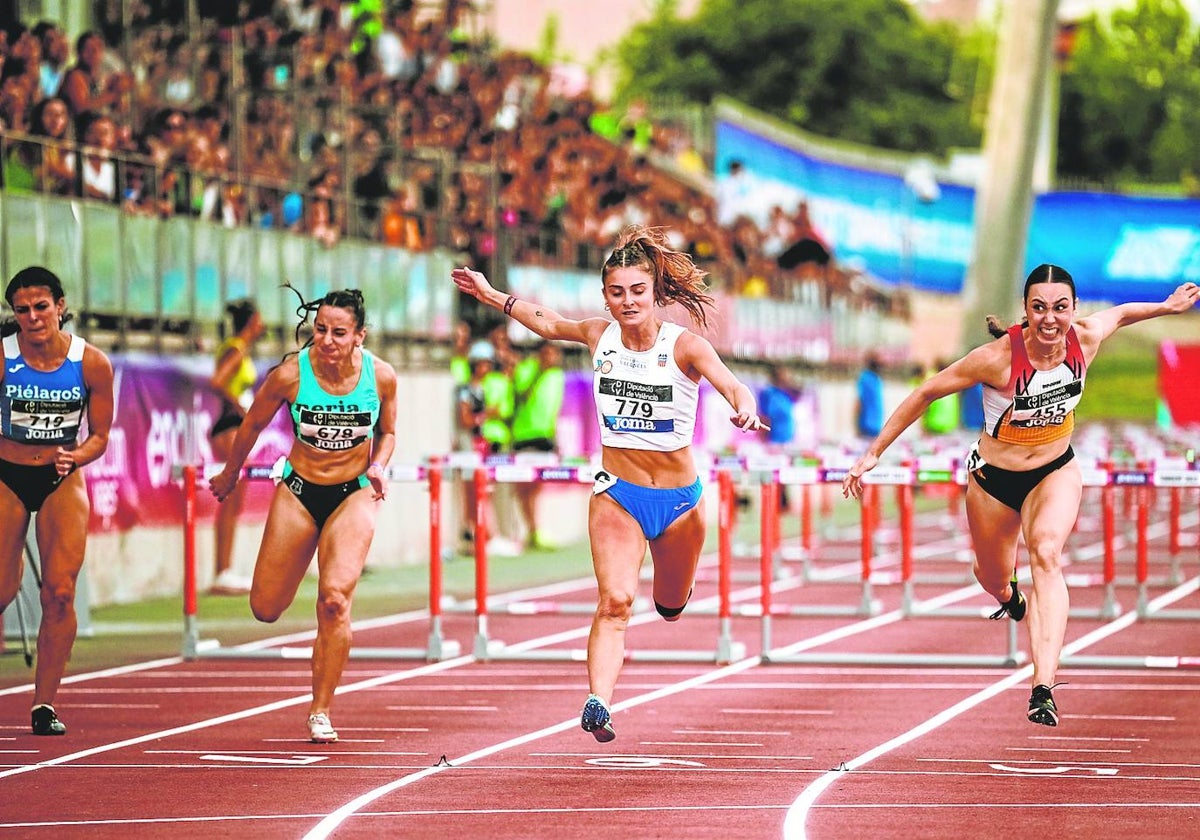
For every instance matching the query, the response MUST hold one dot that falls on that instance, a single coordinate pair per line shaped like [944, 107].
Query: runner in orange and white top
[1023, 477]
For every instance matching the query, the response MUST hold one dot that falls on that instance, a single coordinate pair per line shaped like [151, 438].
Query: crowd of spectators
[396, 121]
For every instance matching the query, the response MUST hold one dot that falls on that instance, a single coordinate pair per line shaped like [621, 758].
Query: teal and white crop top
[335, 423]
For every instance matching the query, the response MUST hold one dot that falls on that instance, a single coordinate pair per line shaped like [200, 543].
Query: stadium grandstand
[174, 155]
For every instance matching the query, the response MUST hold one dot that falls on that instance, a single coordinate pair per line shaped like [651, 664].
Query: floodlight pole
[1004, 197]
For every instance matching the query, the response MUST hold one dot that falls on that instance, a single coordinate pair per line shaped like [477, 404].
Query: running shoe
[45, 722]
[1041, 706]
[229, 582]
[320, 730]
[1014, 606]
[597, 720]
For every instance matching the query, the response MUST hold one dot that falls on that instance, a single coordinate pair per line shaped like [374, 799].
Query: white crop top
[643, 400]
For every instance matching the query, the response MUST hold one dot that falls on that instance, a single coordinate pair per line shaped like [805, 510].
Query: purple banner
[164, 411]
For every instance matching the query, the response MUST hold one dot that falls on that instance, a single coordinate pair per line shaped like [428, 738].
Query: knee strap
[672, 612]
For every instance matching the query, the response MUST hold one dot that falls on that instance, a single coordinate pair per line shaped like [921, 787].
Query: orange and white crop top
[643, 400]
[1037, 406]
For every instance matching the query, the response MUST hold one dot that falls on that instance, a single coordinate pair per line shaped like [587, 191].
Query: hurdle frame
[437, 648]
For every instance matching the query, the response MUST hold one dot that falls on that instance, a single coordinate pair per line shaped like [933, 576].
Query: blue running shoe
[597, 720]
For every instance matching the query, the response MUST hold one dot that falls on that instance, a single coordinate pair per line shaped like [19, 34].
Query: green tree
[866, 71]
[1129, 94]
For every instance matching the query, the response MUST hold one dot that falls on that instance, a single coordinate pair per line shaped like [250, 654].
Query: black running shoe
[1014, 607]
[597, 720]
[45, 722]
[1041, 706]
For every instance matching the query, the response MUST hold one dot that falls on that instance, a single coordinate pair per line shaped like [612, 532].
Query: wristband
[376, 465]
[508, 304]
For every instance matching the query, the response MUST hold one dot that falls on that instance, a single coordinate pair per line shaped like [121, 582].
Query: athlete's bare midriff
[651, 469]
[1011, 456]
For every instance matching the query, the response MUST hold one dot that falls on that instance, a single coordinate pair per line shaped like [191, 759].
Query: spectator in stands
[98, 169]
[734, 193]
[233, 380]
[84, 87]
[40, 460]
[56, 49]
[332, 479]
[538, 383]
[54, 164]
[647, 381]
[14, 95]
[1023, 479]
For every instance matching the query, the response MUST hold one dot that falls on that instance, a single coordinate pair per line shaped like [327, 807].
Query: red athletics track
[210, 747]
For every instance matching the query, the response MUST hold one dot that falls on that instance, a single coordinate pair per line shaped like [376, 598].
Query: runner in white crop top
[643, 400]
[647, 375]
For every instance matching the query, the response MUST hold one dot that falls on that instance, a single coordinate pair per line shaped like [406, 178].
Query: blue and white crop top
[43, 407]
[643, 400]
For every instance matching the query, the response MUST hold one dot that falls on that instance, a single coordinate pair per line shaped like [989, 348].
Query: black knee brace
[672, 612]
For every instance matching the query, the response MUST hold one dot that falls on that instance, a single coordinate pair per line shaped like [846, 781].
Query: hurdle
[193, 647]
[1169, 475]
[487, 648]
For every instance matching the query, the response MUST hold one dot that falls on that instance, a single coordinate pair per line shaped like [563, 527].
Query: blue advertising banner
[1118, 248]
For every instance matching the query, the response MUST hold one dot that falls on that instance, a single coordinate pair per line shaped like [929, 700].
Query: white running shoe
[320, 730]
[230, 583]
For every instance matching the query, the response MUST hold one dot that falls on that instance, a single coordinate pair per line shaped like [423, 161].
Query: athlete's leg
[341, 555]
[62, 539]
[995, 529]
[14, 522]
[676, 552]
[618, 549]
[1049, 515]
[288, 542]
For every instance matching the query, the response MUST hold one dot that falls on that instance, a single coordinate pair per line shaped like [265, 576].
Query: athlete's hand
[222, 483]
[1183, 298]
[470, 282]
[64, 462]
[749, 422]
[377, 475]
[852, 486]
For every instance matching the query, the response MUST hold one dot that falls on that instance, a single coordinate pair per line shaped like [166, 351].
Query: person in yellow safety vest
[942, 415]
[539, 383]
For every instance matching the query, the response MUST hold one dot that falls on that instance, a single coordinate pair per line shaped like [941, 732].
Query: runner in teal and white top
[647, 375]
[343, 405]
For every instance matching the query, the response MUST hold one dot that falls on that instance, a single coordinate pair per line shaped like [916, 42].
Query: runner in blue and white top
[54, 387]
[646, 385]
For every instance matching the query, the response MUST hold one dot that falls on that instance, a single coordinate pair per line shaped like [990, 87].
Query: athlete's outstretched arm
[545, 322]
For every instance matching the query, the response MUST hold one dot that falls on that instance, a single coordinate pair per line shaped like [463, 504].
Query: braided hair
[351, 299]
[677, 279]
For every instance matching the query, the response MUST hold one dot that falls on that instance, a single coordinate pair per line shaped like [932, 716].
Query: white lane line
[794, 823]
[234, 716]
[331, 822]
